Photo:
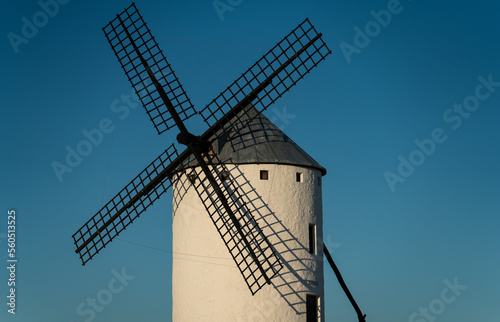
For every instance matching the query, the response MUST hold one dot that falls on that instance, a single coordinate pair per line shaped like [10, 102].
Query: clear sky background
[358, 114]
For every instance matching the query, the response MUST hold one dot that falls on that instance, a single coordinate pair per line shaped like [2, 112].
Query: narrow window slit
[312, 308]
[312, 239]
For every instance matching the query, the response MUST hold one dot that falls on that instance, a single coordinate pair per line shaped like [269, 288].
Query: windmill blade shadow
[291, 281]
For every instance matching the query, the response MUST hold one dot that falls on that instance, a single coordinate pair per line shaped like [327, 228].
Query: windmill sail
[124, 208]
[266, 80]
[139, 54]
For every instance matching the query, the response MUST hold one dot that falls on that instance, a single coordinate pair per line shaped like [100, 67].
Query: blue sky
[399, 243]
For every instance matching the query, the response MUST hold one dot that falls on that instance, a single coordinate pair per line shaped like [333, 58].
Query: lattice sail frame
[267, 80]
[130, 23]
[124, 208]
[262, 248]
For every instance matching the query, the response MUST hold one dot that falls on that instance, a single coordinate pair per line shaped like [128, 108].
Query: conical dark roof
[263, 142]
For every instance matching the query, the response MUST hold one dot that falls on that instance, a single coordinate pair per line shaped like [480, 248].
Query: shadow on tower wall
[293, 255]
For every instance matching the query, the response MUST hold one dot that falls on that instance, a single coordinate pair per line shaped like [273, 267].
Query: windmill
[231, 119]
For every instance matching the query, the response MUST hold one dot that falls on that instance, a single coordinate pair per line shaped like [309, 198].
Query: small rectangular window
[298, 177]
[264, 175]
[312, 239]
[312, 308]
[319, 181]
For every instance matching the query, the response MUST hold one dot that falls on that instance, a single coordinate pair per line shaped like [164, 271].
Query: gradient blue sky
[394, 248]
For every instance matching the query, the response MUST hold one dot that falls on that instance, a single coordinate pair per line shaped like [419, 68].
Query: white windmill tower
[281, 186]
[243, 175]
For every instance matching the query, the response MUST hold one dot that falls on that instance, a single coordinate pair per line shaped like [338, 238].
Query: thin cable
[169, 251]
[192, 260]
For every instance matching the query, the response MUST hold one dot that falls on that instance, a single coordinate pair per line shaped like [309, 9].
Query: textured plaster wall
[207, 286]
